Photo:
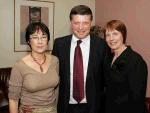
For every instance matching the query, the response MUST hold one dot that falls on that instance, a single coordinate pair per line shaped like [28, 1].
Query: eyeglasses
[37, 38]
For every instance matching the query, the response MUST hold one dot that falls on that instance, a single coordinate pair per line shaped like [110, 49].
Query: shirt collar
[84, 40]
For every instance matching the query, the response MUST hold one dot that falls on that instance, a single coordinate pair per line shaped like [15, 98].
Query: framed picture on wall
[28, 11]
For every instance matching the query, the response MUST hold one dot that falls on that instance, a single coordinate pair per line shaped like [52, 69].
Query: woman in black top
[126, 73]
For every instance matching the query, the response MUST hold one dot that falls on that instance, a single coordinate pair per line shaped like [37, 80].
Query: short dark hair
[119, 26]
[81, 10]
[33, 27]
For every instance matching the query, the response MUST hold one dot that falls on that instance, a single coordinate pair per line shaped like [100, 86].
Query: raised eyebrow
[33, 35]
[115, 32]
[44, 34]
[76, 22]
[85, 22]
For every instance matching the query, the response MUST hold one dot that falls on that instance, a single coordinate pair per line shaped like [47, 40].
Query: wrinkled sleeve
[15, 83]
[57, 88]
[137, 83]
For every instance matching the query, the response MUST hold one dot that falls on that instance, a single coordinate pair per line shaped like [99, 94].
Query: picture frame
[28, 11]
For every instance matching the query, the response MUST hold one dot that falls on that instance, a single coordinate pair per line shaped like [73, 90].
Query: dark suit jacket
[126, 83]
[94, 80]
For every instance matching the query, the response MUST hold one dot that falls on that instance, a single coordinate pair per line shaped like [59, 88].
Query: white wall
[61, 26]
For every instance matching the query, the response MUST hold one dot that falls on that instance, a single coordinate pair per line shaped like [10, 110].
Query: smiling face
[114, 39]
[38, 41]
[81, 25]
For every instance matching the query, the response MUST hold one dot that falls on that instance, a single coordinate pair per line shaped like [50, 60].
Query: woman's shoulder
[52, 58]
[20, 63]
[18, 66]
[135, 56]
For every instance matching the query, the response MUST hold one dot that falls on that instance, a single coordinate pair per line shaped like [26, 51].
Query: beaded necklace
[40, 64]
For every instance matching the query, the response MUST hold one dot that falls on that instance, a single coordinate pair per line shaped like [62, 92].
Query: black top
[126, 81]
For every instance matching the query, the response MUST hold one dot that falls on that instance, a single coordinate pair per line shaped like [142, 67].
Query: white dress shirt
[85, 48]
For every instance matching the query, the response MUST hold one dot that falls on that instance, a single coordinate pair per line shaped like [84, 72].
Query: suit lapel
[91, 57]
[67, 59]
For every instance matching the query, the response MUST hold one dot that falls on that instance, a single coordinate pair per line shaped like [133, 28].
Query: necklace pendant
[40, 64]
[41, 68]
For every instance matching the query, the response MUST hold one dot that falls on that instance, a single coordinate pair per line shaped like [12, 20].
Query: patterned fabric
[27, 109]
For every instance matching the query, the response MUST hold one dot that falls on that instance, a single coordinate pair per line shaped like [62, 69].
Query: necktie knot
[79, 42]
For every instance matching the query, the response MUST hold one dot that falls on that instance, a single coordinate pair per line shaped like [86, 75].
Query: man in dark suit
[93, 51]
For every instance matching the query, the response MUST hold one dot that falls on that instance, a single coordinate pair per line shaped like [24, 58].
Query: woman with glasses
[34, 78]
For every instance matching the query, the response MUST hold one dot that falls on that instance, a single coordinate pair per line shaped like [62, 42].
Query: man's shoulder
[63, 38]
[97, 39]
